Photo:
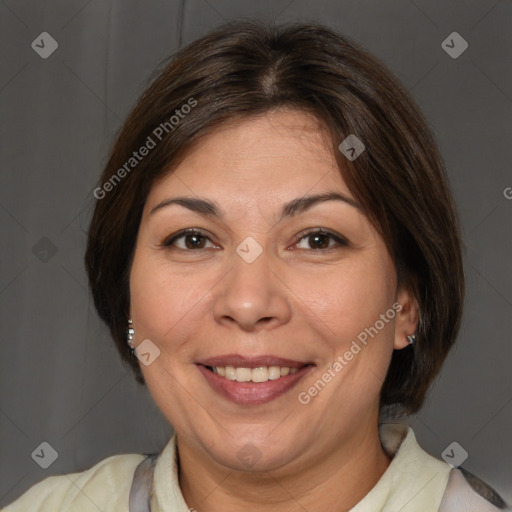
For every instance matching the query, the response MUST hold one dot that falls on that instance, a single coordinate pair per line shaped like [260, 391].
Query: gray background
[60, 378]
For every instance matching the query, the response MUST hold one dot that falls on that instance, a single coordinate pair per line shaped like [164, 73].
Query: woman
[276, 253]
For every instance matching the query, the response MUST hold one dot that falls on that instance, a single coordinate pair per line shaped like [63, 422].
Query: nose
[252, 296]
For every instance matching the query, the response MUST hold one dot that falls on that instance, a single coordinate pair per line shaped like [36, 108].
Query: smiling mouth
[257, 374]
[252, 381]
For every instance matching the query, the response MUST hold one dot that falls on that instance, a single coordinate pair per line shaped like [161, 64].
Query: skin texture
[294, 301]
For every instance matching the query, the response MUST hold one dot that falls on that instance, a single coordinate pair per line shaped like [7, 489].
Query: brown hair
[246, 68]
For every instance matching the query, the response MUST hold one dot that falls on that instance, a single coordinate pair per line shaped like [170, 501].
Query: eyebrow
[293, 207]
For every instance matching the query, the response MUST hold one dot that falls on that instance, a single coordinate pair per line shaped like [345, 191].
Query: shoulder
[467, 492]
[104, 486]
[446, 489]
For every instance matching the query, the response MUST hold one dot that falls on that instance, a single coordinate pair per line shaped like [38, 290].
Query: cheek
[350, 298]
[163, 301]
[151, 298]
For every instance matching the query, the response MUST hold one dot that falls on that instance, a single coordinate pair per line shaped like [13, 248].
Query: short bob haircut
[247, 68]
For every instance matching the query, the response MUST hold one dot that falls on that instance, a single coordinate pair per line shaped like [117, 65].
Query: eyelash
[340, 241]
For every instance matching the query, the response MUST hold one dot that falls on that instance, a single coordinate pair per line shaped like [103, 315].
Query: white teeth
[259, 374]
[243, 374]
[274, 372]
[230, 372]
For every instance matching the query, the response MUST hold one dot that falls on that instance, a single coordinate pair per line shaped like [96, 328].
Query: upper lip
[240, 361]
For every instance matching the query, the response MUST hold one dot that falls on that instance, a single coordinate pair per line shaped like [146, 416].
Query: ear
[407, 318]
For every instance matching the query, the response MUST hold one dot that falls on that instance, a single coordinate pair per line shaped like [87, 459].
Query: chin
[251, 458]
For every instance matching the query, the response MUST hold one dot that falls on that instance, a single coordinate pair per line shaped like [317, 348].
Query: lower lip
[253, 393]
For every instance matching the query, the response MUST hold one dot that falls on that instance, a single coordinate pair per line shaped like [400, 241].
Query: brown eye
[320, 240]
[189, 240]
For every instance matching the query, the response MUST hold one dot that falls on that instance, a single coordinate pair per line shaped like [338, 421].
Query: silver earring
[129, 334]
[411, 338]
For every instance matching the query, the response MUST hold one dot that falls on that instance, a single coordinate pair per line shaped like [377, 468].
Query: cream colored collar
[414, 481]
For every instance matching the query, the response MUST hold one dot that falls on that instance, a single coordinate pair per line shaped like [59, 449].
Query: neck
[339, 478]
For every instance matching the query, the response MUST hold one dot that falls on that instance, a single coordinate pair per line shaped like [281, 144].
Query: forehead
[279, 152]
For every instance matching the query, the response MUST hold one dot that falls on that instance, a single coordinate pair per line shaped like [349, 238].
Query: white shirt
[414, 482]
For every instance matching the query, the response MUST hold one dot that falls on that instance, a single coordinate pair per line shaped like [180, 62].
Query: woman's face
[298, 304]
